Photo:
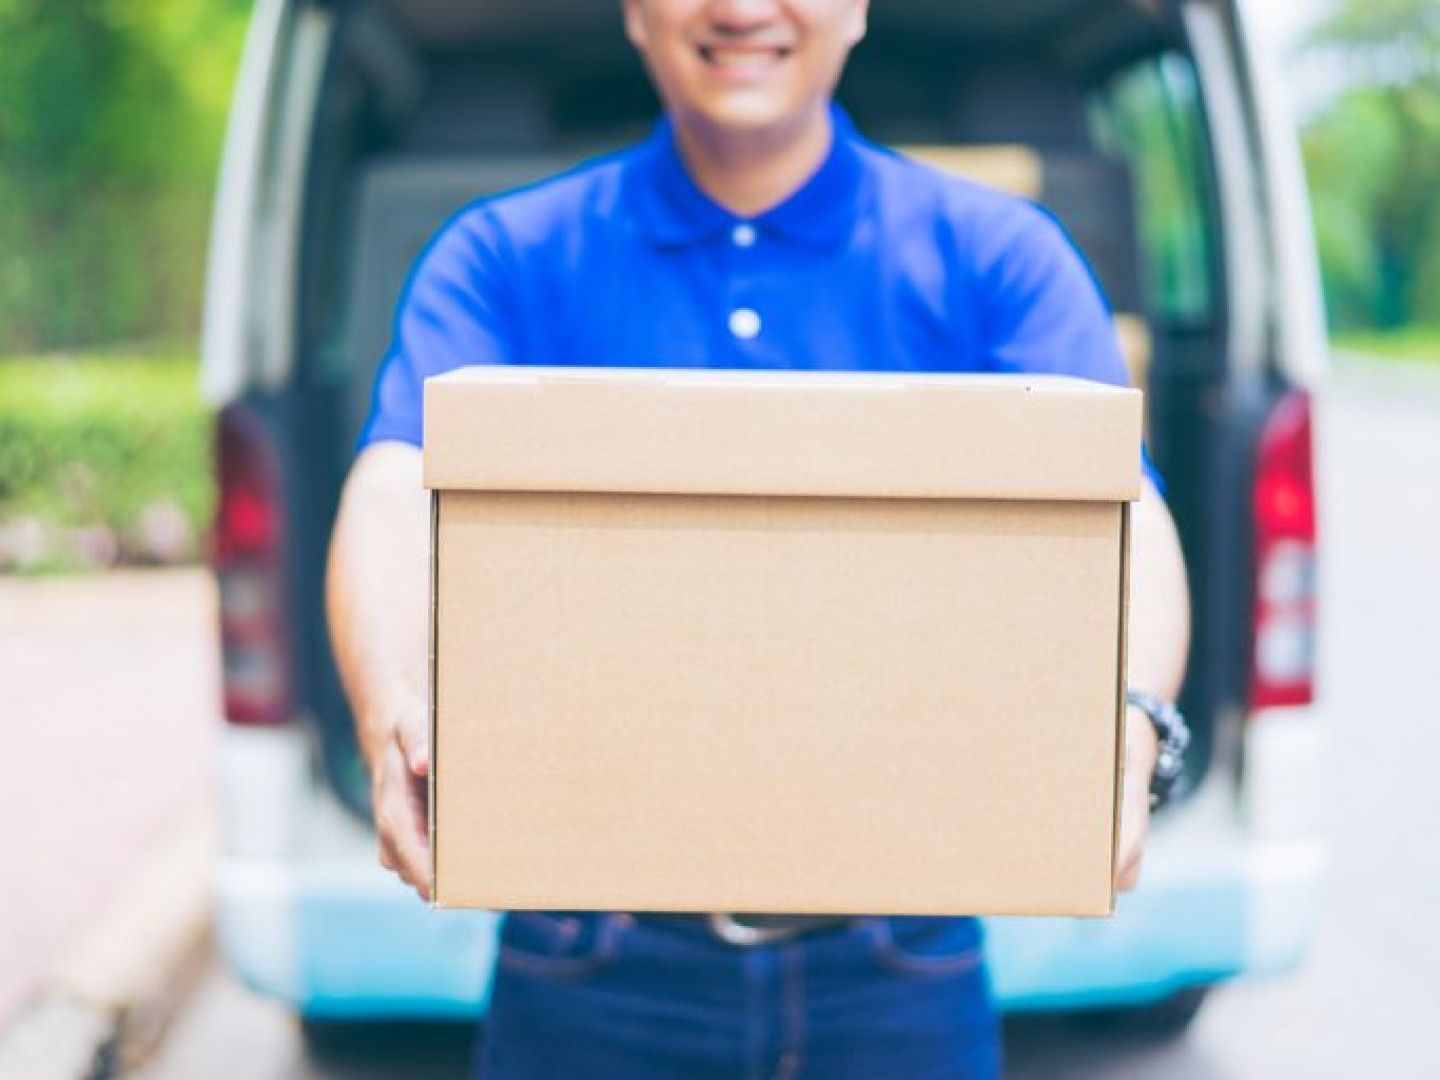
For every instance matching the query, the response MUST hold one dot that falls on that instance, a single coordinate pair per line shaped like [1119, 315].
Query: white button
[743, 235]
[744, 323]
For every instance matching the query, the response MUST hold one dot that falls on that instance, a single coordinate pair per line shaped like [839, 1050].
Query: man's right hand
[377, 601]
[399, 774]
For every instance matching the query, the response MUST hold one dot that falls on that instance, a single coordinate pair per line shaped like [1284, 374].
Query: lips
[743, 60]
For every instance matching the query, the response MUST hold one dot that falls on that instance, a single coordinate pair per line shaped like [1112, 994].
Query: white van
[1152, 130]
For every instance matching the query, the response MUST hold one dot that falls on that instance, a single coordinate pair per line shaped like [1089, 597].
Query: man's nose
[741, 16]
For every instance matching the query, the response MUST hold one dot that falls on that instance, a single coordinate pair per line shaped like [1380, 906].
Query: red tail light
[248, 556]
[1283, 664]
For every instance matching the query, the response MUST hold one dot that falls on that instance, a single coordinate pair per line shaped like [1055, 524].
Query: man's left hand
[1141, 747]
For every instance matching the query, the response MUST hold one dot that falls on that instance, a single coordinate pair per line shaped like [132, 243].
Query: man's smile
[743, 61]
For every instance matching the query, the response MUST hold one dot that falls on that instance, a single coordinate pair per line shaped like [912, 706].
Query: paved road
[1368, 1001]
[108, 684]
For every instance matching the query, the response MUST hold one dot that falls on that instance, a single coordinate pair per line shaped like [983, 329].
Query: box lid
[839, 434]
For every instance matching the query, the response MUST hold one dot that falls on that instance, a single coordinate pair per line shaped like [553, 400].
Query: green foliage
[111, 118]
[1374, 163]
[1347, 200]
[1418, 343]
[1149, 116]
[95, 440]
[1385, 35]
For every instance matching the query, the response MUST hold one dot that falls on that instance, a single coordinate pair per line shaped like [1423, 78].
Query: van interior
[1090, 107]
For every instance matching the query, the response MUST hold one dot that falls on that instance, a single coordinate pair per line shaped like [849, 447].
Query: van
[1153, 131]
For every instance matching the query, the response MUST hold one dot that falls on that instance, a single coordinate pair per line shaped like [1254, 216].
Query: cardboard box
[777, 642]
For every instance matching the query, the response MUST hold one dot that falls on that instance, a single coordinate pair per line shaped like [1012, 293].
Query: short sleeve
[457, 309]
[1043, 309]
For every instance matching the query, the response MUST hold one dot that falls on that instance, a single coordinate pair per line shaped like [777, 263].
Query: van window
[1150, 114]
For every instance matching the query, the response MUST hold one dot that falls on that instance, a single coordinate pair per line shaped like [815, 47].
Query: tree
[1374, 160]
[111, 114]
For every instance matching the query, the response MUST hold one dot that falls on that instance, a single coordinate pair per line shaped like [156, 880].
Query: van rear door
[254, 237]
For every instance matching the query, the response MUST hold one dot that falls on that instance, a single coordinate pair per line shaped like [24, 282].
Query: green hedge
[95, 444]
[1417, 343]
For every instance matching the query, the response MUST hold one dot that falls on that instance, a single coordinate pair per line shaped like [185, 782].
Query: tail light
[1283, 667]
[248, 556]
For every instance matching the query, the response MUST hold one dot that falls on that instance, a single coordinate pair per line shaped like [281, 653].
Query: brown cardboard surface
[1011, 167]
[781, 433]
[1122, 668]
[775, 702]
[433, 668]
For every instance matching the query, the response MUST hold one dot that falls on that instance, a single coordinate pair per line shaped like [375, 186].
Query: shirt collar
[673, 211]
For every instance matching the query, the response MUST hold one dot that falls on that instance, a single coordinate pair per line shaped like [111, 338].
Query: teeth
[741, 58]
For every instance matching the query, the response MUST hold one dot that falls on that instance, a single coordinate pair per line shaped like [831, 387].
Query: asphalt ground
[110, 686]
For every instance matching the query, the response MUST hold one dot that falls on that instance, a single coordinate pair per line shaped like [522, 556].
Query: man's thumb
[414, 741]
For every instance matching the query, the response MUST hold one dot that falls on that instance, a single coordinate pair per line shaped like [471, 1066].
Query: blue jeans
[615, 996]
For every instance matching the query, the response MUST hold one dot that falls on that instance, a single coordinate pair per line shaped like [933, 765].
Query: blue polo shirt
[876, 263]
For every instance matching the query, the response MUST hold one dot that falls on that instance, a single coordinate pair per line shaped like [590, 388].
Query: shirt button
[744, 323]
[743, 235]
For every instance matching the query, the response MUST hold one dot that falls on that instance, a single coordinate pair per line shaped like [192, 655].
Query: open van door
[1150, 129]
[254, 233]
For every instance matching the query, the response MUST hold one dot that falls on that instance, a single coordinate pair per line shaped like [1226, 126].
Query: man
[755, 228]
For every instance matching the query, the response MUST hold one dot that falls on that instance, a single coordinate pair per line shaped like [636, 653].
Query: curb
[104, 1007]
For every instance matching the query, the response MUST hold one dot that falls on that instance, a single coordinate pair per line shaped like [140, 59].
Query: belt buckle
[730, 930]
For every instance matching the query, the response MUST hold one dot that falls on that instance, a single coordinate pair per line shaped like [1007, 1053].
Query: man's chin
[743, 114]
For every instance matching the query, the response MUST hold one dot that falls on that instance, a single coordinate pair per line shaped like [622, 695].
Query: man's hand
[1141, 747]
[399, 799]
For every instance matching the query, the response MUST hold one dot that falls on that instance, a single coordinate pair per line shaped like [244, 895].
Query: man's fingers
[402, 822]
[1134, 859]
[1135, 803]
[1134, 819]
[409, 856]
[1134, 827]
[414, 739]
[1128, 880]
[412, 849]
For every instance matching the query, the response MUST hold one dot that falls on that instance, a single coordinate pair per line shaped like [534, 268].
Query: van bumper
[1225, 891]
[1194, 922]
[1231, 885]
[345, 941]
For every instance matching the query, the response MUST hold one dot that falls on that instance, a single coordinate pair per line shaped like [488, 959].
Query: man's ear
[859, 21]
[634, 22]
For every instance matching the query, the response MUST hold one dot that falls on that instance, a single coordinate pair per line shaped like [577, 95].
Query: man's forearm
[1159, 600]
[1159, 642]
[377, 588]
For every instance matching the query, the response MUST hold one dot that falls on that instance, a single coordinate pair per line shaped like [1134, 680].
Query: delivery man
[754, 229]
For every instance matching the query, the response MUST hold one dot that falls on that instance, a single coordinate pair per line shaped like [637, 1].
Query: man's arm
[377, 599]
[1158, 645]
[458, 308]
